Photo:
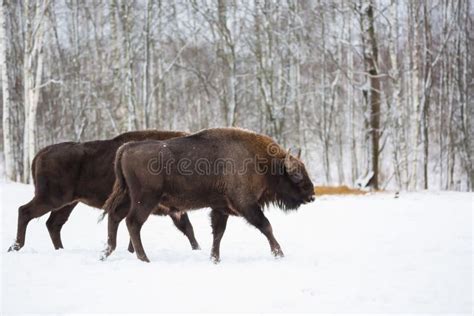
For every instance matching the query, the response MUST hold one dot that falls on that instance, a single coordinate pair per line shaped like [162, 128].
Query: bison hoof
[143, 258]
[196, 247]
[215, 259]
[14, 247]
[277, 253]
[105, 254]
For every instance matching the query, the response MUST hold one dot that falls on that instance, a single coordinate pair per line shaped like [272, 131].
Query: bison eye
[296, 177]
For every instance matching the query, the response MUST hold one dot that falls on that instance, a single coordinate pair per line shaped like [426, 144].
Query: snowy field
[343, 255]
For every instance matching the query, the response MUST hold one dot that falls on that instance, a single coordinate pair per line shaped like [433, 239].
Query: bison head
[295, 186]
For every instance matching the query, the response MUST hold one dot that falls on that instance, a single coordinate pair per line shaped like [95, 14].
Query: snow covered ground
[343, 255]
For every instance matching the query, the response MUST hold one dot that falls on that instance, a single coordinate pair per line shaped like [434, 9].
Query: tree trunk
[227, 54]
[6, 61]
[146, 72]
[371, 59]
[126, 19]
[32, 74]
[415, 87]
[426, 91]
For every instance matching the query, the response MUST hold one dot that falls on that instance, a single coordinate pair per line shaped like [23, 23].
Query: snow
[355, 254]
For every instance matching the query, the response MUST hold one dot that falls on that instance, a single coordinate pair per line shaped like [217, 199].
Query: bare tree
[369, 40]
[360, 85]
[32, 75]
[7, 61]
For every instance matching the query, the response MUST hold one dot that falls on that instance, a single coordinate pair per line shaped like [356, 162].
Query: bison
[232, 171]
[67, 173]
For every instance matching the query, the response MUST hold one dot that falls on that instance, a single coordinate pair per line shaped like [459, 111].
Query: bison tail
[39, 179]
[34, 163]
[119, 191]
[33, 169]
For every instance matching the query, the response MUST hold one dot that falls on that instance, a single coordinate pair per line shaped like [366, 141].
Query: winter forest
[360, 85]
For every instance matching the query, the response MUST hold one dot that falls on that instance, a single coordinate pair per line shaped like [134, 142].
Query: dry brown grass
[339, 190]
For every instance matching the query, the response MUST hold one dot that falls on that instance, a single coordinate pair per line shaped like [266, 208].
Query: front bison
[233, 171]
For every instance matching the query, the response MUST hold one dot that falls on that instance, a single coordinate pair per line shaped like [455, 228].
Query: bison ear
[292, 169]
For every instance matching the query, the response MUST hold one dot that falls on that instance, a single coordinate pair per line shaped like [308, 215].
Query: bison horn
[298, 155]
[295, 152]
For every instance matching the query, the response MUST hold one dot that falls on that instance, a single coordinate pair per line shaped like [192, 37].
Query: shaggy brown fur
[67, 173]
[271, 176]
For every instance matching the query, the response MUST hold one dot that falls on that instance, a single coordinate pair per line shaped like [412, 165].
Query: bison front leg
[255, 216]
[218, 224]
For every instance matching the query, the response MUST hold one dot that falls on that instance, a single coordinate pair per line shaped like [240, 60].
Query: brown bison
[232, 171]
[67, 173]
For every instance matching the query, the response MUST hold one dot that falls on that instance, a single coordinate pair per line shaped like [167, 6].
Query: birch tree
[32, 74]
[6, 62]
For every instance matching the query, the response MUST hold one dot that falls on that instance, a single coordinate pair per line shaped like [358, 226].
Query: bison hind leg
[141, 208]
[37, 207]
[56, 221]
[130, 246]
[113, 222]
[181, 221]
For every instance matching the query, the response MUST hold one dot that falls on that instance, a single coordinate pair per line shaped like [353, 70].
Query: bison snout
[310, 199]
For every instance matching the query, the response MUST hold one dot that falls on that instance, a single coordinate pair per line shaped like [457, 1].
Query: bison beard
[283, 181]
[67, 173]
